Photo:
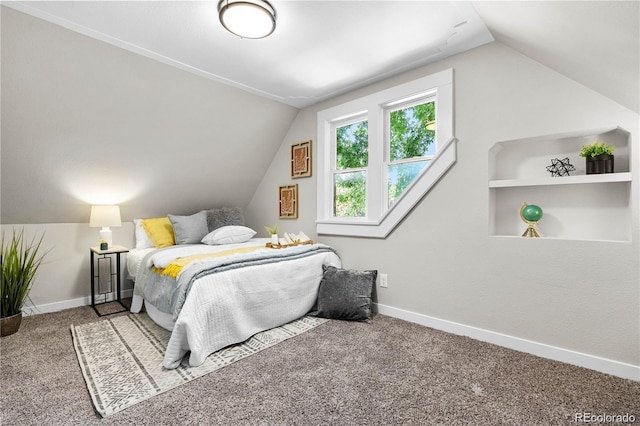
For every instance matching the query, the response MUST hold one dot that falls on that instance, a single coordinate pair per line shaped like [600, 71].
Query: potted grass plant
[19, 262]
[599, 157]
[273, 233]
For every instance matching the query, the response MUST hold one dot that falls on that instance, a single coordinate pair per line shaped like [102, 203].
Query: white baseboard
[603, 365]
[29, 309]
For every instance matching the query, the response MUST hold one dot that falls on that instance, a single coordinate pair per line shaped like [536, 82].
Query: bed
[212, 296]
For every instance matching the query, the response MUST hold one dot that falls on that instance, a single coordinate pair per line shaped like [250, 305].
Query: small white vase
[274, 238]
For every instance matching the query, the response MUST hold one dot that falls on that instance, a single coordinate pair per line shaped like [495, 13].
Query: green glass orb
[531, 213]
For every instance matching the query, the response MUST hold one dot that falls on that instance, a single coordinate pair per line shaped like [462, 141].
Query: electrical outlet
[383, 280]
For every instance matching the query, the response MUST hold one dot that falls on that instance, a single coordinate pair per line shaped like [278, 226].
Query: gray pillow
[226, 216]
[345, 294]
[189, 229]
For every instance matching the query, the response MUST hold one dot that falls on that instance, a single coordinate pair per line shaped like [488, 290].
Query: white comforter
[230, 306]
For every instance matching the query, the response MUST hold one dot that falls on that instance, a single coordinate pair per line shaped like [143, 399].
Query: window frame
[429, 96]
[380, 220]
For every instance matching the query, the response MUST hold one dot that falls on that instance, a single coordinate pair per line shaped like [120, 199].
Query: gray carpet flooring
[383, 373]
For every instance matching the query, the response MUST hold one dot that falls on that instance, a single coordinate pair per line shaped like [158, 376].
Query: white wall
[64, 278]
[85, 122]
[442, 266]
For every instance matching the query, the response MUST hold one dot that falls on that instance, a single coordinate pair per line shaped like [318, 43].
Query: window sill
[380, 229]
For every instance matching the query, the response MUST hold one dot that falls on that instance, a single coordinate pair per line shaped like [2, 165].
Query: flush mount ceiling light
[247, 18]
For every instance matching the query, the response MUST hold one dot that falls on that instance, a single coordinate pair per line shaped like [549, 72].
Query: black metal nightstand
[104, 264]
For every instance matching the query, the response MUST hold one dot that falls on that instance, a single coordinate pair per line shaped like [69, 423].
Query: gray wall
[84, 122]
[577, 295]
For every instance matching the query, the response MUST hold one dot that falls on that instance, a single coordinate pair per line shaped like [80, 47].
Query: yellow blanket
[173, 269]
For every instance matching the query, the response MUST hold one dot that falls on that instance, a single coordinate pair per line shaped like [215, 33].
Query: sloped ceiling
[97, 106]
[85, 122]
[596, 43]
[324, 48]
[319, 49]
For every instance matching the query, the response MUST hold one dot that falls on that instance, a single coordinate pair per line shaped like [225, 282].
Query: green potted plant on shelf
[599, 157]
[19, 262]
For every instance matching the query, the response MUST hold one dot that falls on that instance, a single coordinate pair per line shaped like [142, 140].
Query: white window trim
[380, 222]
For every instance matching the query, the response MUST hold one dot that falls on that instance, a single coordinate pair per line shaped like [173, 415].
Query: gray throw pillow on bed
[345, 294]
[189, 229]
[226, 216]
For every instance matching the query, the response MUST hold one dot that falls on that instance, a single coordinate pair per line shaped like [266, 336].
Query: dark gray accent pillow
[345, 294]
[225, 216]
[189, 229]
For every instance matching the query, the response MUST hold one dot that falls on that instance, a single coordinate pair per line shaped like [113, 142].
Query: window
[380, 154]
[349, 178]
[411, 144]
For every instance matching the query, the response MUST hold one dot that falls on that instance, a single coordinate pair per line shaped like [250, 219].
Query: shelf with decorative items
[550, 172]
[565, 180]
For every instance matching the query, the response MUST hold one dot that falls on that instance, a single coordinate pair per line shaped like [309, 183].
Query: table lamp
[105, 216]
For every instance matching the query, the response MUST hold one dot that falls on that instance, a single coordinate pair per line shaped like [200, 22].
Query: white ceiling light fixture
[247, 18]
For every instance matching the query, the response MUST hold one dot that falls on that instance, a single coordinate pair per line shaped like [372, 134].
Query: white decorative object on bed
[212, 296]
[229, 235]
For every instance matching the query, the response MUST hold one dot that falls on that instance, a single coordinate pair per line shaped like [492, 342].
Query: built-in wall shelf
[564, 180]
[576, 207]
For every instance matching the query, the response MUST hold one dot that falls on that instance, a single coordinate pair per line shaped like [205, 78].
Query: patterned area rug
[121, 358]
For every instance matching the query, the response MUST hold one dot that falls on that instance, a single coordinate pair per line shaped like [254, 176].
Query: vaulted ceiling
[97, 106]
[324, 48]
[596, 43]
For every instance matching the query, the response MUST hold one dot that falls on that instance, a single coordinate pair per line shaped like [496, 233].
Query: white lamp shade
[105, 216]
[247, 18]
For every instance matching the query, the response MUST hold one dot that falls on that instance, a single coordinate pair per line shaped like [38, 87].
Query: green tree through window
[412, 131]
[376, 155]
[352, 156]
[411, 145]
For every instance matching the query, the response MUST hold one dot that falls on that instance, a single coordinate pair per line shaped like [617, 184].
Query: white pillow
[142, 239]
[229, 235]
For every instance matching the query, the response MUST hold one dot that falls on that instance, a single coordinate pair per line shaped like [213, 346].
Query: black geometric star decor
[560, 167]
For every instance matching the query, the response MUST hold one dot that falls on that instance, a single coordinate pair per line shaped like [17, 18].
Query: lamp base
[107, 235]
